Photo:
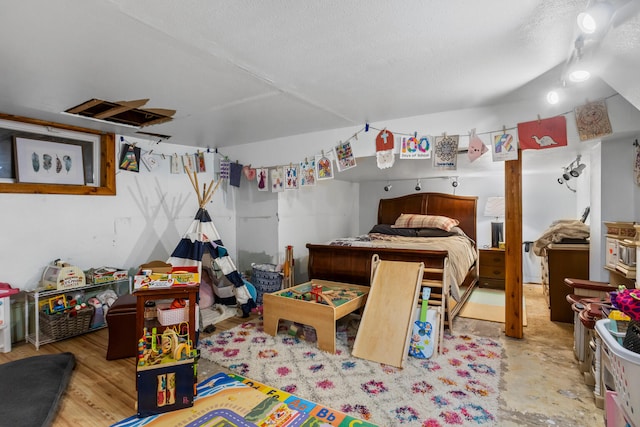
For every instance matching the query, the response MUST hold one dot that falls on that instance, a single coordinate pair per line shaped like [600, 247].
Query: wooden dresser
[565, 261]
[491, 265]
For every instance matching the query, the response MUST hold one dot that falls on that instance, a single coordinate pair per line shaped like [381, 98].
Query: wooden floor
[101, 392]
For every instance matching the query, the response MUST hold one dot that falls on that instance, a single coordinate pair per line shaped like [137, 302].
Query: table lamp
[495, 208]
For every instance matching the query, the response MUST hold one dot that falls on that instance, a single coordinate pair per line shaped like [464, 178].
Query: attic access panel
[122, 112]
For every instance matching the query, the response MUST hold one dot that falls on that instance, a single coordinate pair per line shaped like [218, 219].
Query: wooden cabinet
[188, 293]
[620, 257]
[491, 267]
[565, 261]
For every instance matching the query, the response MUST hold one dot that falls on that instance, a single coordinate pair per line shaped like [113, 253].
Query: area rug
[233, 401]
[488, 304]
[456, 388]
[31, 389]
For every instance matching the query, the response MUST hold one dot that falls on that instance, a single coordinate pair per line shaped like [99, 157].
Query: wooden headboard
[462, 208]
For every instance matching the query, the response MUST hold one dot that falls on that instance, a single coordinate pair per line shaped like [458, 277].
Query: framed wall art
[97, 150]
[47, 162]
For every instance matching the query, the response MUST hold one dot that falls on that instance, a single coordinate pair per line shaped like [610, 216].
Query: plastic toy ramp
[385, 329]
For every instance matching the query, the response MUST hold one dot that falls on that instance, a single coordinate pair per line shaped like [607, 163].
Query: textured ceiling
[243, 71]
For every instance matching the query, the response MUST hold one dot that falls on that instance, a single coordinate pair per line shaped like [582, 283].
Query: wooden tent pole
[195, 187]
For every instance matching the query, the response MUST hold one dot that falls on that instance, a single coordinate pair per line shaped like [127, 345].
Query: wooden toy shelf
[32, 302]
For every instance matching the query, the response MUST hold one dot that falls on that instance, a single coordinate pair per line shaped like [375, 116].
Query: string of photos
[592, 120]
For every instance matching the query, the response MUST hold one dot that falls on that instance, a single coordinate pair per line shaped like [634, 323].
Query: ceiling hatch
[128, 113]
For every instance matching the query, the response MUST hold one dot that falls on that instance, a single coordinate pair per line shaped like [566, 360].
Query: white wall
[143, 222]
[316, 215]
[152, 209]
[618, 196]
[269, 222]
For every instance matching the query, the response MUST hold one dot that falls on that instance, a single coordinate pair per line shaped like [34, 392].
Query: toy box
[152, 281]
[62, 276]
[185, 277]
[105, 275]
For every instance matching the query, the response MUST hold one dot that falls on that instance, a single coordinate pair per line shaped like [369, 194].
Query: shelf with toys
[166, 369]
[72, 307]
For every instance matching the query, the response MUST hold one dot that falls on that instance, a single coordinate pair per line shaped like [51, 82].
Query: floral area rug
[456, 388]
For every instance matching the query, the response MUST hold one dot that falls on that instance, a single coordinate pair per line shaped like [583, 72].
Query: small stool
[121, 321]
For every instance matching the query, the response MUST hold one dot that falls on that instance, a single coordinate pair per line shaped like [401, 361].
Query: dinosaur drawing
[545, 141]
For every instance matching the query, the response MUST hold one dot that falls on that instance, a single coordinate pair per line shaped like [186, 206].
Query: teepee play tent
[202, 237]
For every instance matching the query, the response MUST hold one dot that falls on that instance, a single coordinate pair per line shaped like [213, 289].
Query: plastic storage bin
[625, 365]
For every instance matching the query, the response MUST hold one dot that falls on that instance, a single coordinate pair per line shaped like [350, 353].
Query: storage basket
[172, 316]
[625, 366]
[266, 279]
[63, 325]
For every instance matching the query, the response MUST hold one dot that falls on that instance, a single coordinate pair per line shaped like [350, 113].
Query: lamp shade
[494, 207]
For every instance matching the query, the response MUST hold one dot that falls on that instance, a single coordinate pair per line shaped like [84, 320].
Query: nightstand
[491, 265]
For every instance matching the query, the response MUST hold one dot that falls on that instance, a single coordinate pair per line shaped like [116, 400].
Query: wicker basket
[266, 279]
[172, 316]
[63, 325]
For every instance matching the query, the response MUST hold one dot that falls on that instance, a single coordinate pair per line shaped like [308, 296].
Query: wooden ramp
[385, 329]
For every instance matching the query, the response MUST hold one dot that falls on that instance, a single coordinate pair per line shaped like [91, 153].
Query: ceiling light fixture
[553, 97]
[418, 186]
[388, 186]
[577, 68]
[578, 168]
[579, 75]
[597, 17]
[574, 170]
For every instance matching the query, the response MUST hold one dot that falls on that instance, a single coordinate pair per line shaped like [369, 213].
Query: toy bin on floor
[165, 387]
[625, 367]
[266, 280]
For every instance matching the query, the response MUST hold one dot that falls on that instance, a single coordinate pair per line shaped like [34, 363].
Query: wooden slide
[385, 329]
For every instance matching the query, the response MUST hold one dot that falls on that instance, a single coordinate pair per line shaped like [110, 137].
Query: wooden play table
[321, 311]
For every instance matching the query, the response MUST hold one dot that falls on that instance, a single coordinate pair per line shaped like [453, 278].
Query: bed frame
[351, 264]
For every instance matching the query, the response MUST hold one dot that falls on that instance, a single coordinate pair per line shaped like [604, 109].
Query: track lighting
[418, 186]
[578, 66]
[387, 187]
[574, 170]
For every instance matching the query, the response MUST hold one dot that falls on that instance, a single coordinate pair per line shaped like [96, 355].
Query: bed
[452, 278]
